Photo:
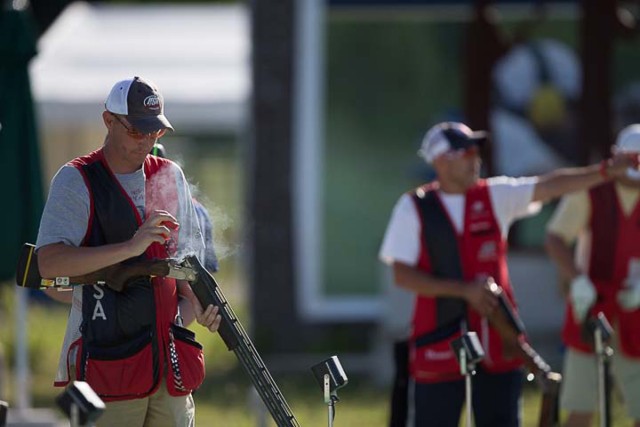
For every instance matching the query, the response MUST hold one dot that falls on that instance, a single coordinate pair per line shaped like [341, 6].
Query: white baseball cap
[628, 140]
[449, 136]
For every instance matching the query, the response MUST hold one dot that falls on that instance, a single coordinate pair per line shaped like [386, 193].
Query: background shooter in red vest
[603, 275]
[443, 241]
[115, 204]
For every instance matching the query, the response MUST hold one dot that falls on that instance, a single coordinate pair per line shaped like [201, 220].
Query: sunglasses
[464, 153]
[133, 133]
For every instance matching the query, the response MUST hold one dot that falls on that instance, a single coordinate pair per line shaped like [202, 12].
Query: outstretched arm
[567, 180]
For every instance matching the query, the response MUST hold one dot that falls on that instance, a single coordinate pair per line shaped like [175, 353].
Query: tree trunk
[597, 32]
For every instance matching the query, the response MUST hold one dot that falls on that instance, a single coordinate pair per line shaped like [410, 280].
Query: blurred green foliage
[386, 81]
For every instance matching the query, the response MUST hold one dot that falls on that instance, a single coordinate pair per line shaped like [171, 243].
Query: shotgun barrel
[510, 327]
[236, 339]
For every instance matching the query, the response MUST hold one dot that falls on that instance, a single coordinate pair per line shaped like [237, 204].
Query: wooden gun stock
[236, 339]
[549, 410]
[119, 276]
[511, 329]
[116, 276]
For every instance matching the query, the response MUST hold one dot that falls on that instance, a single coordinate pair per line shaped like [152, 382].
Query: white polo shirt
[510, 200]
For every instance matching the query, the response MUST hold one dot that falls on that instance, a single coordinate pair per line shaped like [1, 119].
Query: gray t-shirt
[66, 214]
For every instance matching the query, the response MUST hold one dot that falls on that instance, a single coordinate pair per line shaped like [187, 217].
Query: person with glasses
[116, 204]
[446, 242]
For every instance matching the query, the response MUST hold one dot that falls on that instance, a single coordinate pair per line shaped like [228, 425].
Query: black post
[270, 202]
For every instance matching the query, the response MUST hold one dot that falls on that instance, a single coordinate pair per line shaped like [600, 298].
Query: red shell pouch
[122, 371]
[435, 361]
[186, 361]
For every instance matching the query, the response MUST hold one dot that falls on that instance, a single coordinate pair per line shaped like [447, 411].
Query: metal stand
[330, 377]
[81, 404]
[74, 416]
[598, 328]
[468, 370]
[603, 354]
[4, 408]
[469, 352]
[330, 398]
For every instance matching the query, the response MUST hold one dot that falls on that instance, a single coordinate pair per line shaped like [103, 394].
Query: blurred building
[537, 87]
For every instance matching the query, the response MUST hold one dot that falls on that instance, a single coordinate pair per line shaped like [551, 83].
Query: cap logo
[152, 102]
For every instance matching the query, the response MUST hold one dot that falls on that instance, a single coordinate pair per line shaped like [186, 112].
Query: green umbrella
[19, 153]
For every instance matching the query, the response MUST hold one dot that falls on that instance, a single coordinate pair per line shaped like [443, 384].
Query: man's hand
[582, 294]
[617, 166]
[629, 296]
[156, 228]
[481, 297]
[208, 318]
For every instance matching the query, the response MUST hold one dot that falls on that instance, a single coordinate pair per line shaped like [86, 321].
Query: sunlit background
[297, 124]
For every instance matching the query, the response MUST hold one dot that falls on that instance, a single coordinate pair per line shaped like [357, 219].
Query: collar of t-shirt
[133, 184]
[628, 197]
[454, 205]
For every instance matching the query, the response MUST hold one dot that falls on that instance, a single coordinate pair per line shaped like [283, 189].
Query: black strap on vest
[112, 210]
[441, 242]
[604, 238]
[443, 332]
[131, 312]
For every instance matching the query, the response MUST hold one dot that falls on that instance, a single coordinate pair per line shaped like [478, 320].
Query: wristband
[604, 173]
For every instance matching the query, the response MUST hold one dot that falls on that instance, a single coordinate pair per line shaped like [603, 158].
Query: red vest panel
[479, 252]
[615, 242]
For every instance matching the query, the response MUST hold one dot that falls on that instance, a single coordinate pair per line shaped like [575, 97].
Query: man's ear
[439, 163]
[108, 119]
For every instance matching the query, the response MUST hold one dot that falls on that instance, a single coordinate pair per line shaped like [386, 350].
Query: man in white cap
[115, 204]
[603, 276]
[445, 241]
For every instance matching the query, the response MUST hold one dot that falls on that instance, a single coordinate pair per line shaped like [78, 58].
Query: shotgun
[506, 321]
[116, 276]
[236, 339]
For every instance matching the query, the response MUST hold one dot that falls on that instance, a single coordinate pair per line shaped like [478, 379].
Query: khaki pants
[580, 382]
[158, 410]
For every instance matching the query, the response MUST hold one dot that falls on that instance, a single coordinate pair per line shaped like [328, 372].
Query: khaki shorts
[158, 410]
[580, 384]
